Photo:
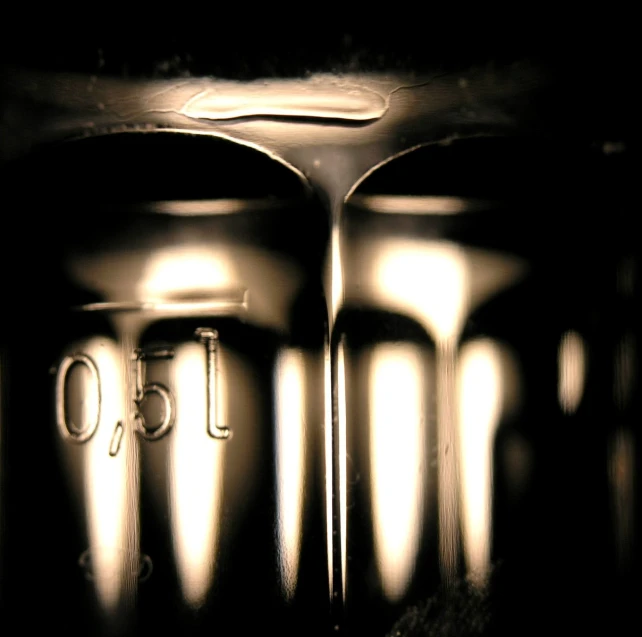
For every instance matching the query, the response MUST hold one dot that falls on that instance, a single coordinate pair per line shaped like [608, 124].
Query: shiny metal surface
[471, 416]
[180, 429]
[343, 355]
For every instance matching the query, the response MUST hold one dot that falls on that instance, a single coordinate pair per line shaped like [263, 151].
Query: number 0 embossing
[67, 430]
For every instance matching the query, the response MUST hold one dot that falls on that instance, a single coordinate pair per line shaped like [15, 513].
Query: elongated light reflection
[417, 205]
[479, 398]
[290, 462]
[111, 481]
[397, 452]
[329, 464]
[336, 274]
[572, 371]
[196, 475]
[179, 271]
[309, 98]
[343, 479]
[228, 277]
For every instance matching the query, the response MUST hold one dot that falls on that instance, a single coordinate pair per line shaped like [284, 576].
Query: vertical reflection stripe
[572, 371]
[196, 475]
[290, 462]
[397, 461]
[329, 466]
[110, 483]
[343, 486]
[480, 396]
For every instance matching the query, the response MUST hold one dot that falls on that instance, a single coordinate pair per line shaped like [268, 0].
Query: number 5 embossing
[143, 390]
[209, 337]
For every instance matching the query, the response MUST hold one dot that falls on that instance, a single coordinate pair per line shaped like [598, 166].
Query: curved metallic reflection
[201, 483]
[196, 470]
[437, 283]
[174, 521]
[188, 476]
[572, 371]
[398, 433]
[108, 483]
[290, 462]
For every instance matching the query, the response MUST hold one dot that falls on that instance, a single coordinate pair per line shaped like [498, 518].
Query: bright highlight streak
[397, 455]
[111, 483]
[572, 371]
[429, 278]
[329, 464]
[290, 462]
[337, 272]
[432, 282]
[180, 271]
[343, 480]
[414, 205]
[480, 394]
[196, 475]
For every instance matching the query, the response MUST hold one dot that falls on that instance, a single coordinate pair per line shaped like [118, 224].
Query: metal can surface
[321, 353]
[472, 406]
[171, 460]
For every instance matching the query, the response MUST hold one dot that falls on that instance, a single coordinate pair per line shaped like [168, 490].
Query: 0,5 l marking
[149, 431]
